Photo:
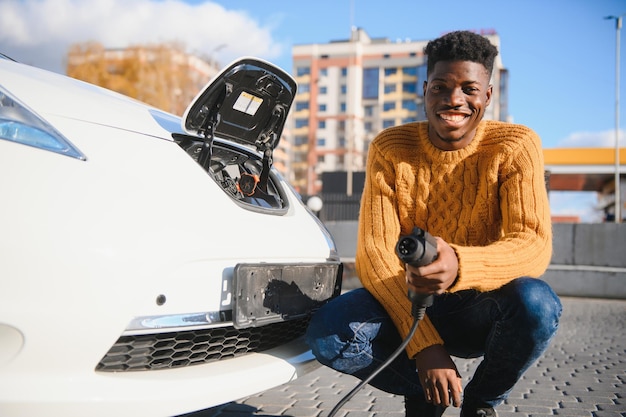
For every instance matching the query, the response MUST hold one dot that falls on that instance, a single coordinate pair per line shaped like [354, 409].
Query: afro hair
[461, 46]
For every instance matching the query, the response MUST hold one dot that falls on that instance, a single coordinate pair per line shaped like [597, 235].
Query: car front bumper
[168, 393]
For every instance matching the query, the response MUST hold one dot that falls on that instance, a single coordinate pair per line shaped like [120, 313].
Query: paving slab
[583, 373]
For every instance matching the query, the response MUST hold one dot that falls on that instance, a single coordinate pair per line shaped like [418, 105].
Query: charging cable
[382, 366]
[419, 248]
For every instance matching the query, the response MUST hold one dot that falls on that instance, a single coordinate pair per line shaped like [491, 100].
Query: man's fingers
[428, 392]
[440, 393]
[456, 394]
[441, 396]
[435, 392]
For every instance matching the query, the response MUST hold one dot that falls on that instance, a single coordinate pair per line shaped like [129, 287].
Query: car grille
[194, 347]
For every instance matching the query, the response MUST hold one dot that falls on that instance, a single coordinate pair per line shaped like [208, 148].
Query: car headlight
[21, 125]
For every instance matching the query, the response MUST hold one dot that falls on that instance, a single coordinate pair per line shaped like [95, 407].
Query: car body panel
[138, 229]
[137, 394]
[47, 94]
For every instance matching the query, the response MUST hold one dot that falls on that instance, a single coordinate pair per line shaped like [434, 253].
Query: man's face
[456, 95]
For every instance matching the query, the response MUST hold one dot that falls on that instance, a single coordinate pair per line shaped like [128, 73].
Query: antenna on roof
[352, 27]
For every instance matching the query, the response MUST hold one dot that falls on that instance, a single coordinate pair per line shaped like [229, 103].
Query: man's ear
[424, 87]
[489, 91]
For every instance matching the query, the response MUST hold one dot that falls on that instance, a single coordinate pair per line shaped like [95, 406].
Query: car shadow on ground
[232, 409]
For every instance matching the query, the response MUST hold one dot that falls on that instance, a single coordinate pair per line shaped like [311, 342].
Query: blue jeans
[510, 327]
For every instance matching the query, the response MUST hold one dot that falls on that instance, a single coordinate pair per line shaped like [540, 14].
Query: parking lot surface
[583, 373]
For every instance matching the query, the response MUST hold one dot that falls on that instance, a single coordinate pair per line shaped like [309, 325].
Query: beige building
[349, 90]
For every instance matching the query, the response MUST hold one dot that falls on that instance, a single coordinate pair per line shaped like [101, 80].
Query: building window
[389, 105]
[299, 157]
[409, 88]
[421, 77]
[409, 70]
[302, 105]
[367, 126]
[504, 95]
[390, 88]
[388, 123]
[301, 123]
[321, 142]
[321, 124]
[410, 105]
[342, 142]
[321, 107]
[344, 71]
[323, 72]
[301, 71]
[343, 107]
[320, 159]
[344, 89]
[300, 140]
[368, 110]
[390, 71]
[304, 88]
[323, 89]
[370, 82]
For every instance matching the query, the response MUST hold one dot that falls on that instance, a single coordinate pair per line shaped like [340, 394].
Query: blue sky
[560, 53]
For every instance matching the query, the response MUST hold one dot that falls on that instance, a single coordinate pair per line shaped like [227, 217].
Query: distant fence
[339, 207]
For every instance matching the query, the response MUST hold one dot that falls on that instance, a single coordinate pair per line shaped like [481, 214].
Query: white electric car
[151, 265]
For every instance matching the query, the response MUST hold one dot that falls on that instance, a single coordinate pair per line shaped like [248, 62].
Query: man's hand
[436, 277]
[439, 377]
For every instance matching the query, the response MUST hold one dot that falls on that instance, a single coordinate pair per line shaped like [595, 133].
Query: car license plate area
[267, 293]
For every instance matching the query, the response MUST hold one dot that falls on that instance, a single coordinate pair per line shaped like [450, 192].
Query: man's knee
[340, 333]
[329, 330]
[539, 304]
[317, 332]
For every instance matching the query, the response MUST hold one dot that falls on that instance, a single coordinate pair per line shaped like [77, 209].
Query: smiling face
[456, 96]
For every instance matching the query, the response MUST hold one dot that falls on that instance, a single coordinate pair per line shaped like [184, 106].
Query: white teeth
[452, 117]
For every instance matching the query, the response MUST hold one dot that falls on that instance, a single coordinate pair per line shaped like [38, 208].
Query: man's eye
[470, 90]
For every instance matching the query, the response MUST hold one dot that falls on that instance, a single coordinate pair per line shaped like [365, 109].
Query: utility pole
[618, 204]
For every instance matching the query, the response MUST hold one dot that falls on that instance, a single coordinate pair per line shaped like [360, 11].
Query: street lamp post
[618, 206]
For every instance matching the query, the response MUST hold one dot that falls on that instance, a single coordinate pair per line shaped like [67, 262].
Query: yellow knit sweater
[487, 200]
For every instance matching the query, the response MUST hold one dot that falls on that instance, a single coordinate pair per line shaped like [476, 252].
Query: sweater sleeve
[525, 246]
[378, 267]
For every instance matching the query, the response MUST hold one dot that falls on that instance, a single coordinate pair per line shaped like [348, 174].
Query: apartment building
[349, 90]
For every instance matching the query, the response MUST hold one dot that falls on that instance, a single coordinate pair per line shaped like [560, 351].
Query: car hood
[247, 103]
[54, 95]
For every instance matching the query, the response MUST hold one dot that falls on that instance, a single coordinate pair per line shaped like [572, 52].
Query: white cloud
[604, 139]
[39, 32]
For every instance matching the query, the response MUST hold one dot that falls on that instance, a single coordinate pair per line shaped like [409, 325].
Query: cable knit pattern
[487, 200]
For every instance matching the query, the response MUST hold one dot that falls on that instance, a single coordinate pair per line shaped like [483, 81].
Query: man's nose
[455, 97]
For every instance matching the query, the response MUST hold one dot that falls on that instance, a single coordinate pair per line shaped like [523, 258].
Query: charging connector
[417, 249]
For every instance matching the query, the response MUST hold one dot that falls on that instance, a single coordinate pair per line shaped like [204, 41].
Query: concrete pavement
[583, 373]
